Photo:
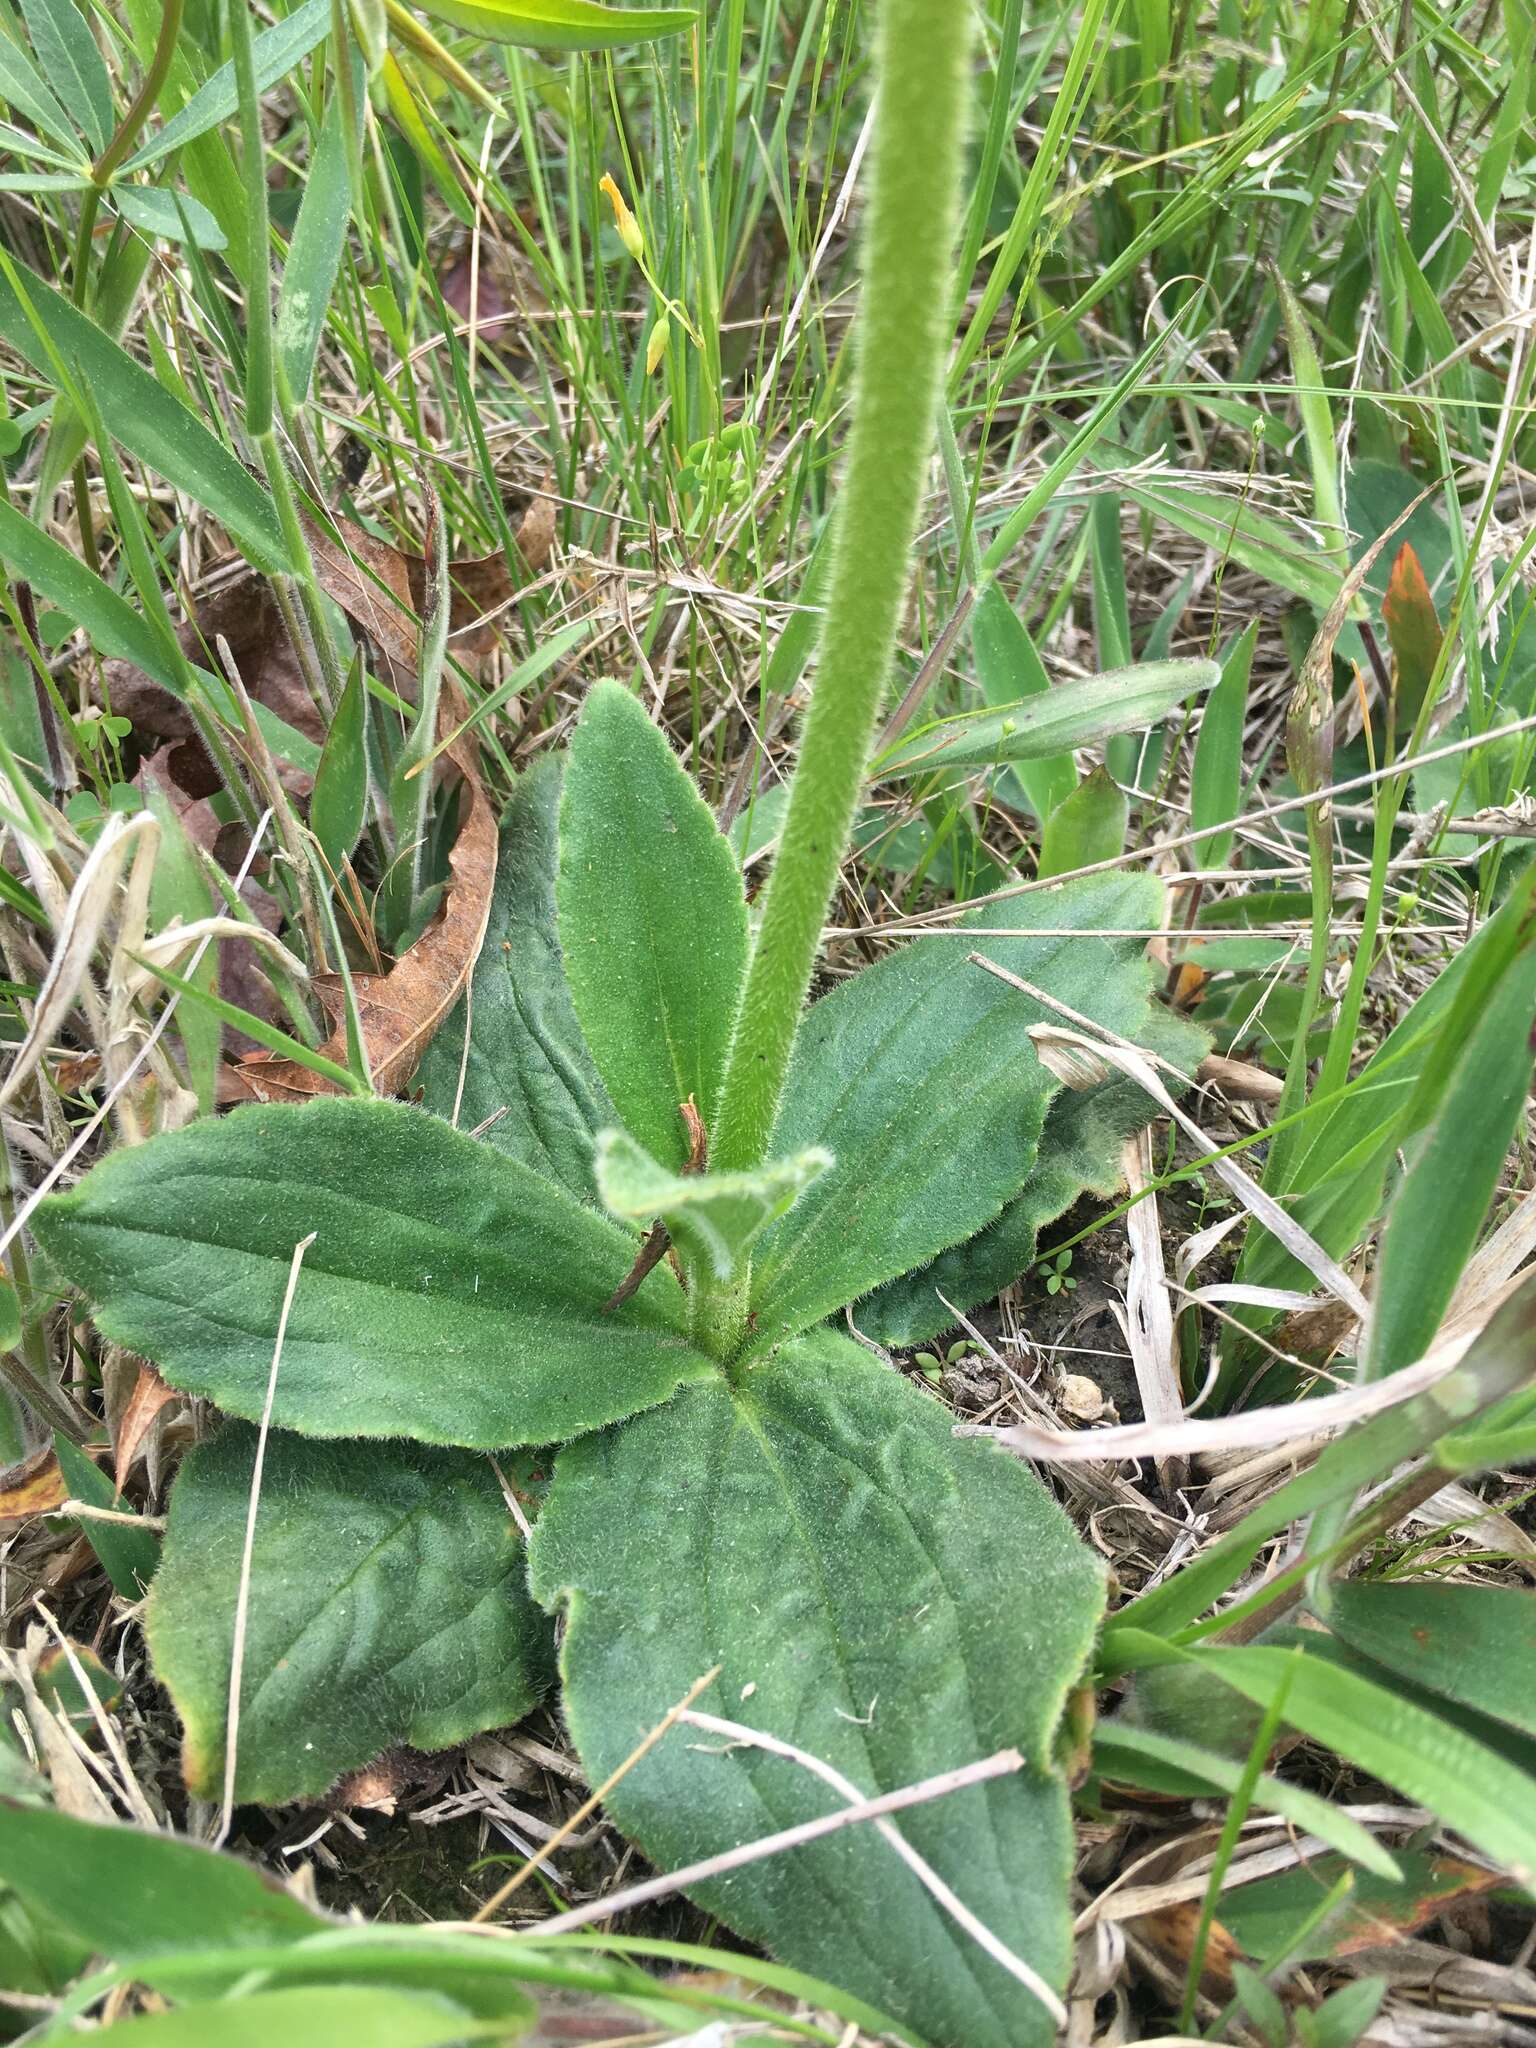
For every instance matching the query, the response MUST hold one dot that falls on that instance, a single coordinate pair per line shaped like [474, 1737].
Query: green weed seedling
[718, 1478]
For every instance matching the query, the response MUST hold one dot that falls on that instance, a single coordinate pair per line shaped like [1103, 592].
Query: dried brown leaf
[400, 1009]
[149, 1397]
[33, 1487]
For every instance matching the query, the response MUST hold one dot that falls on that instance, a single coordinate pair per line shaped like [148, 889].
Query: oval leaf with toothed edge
[1071, 715]
[920, 1077]
[511, 1055]
[653, 922]
[561, 24]
[388, 1604]
[450, 1293]
[712, 1217]
[892, 1600]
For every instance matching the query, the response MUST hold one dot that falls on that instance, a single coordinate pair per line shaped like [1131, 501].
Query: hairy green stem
[903, 325]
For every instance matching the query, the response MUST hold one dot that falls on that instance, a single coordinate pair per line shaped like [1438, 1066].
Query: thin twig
[590, 1805]
[243, 1596]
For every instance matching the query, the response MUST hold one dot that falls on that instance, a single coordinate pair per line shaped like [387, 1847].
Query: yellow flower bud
[656, 348]
[624, 220]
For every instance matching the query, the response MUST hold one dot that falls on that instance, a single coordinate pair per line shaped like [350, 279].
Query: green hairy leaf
[525, 1062]
[712, 1217]
[920, 1077]
[892, 1600]
[387, 1605]
[450, 1294]
[653, 923]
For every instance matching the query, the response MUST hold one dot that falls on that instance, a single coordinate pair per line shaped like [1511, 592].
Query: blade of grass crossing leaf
[1145, 1757]
[1226, 1846]
[62, 579]
[44, 327]
[1428, 1760]
[314, 254]
[1475, 1644]
[561, 24]
[1072, 715]
[264, 1033]
[1497, 1366]
[1217, 776]
[1010, 670]
[317, 2017]
[1317, 425]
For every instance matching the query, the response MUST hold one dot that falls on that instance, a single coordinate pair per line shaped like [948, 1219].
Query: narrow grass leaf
[1475, 1644]
[314, 254]
[1497, 1365]
[130, 1893]
[128, 1556]
[140, 413]
[1216, 779]
[1428, 1760]
[1035, 728]
[561, 24]
[340, 798]
[1009, 669]
[1438, 1212]
[59, 577]
[67, 53]
[316, 2017]
[1145, 1757]
[275, 52]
